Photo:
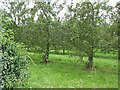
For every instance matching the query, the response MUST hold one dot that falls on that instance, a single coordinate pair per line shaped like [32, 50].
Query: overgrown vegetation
[14, 63]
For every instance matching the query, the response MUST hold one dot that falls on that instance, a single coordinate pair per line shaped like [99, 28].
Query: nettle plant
[14, 63]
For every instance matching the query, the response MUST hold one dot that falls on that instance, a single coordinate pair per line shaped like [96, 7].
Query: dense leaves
[89, 29]
[14, 63]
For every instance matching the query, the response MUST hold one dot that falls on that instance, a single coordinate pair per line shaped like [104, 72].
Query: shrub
[14, 63]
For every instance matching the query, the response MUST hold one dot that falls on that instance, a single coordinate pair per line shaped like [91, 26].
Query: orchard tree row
[84, 29]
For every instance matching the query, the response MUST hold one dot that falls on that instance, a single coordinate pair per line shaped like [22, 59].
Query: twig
[31, 60]
[35, 65]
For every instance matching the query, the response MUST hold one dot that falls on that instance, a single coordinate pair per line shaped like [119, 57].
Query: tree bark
[91, 60]
[119, 42]
[47, 53]
[48, 44]
[64, 51]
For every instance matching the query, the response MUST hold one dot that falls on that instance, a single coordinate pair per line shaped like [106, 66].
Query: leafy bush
[14, 63]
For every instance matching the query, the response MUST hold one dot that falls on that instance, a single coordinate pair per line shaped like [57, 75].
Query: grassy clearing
[62, 72]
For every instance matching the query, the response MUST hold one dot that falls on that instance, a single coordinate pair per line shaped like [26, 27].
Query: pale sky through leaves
[61, 14]
[111, 2]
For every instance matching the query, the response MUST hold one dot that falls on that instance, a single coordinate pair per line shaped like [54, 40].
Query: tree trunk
[119, 42]
[119, 51]
[63, 50]
[91, 60]
[91, 42]
[47, 53]
[118, 5]
[48, 45]
[119, 54]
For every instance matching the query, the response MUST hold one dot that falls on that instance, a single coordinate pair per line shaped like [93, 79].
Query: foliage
[88, 28]
[14, 63]
[0, 52]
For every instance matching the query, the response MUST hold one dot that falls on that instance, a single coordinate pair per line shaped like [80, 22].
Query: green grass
[63, 72]
[97, 54]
